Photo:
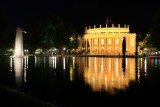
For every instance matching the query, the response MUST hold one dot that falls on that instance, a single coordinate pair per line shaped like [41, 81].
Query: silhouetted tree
[154, 31]
[64, 34]
[73, 42]
[44, 31]
[50, 31]
[4, 33]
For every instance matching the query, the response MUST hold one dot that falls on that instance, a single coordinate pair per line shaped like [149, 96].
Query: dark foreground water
[84, 81]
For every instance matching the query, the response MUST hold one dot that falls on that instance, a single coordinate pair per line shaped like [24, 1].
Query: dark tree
[51, 31]
[4, 33]
[63, 36]
[44, 32]
[73, 42]
[154, 31]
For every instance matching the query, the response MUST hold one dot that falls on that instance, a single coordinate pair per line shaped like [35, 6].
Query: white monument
[18, 52]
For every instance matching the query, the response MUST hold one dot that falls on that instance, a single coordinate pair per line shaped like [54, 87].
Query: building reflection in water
[123, 65]
[100, 73]
[108, 73]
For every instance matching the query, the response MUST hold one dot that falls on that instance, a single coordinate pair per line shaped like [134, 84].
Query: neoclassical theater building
[107, 39]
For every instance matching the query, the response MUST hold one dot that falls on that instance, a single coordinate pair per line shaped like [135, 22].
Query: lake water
[83, 81]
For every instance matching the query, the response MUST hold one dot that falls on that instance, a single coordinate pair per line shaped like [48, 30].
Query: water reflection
[25, 67]
[64, 63]
[123, 65]
[142, 68]
[101, 74]
[59, 78]
[52, 62]
[108, 73]
[18, 68]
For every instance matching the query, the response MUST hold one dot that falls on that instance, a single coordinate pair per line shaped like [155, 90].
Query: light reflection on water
[19, 72]
[99, 73]
[108, 74]
[53, 75]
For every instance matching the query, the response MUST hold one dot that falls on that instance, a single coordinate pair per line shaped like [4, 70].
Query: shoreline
[80, 55]
[10, 97]
[111, 56]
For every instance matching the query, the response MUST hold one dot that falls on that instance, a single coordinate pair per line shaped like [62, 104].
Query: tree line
[51, 31]
[45, 33]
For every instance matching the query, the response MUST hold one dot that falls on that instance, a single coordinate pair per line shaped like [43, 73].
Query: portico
[108, 40]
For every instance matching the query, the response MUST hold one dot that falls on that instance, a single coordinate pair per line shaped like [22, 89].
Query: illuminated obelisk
[19, 43]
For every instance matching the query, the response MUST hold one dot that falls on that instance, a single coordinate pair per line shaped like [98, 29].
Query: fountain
[19, 43]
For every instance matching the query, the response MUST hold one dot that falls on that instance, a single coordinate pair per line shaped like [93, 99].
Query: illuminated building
[108, 40]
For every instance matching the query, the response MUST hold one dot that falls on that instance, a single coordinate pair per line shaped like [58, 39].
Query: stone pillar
[105, 45]
[121, 39]
[108, 45]
[112, 44]
[98, 45]
[119, 45]
[92, 45]
[86, 45]
[114, 48]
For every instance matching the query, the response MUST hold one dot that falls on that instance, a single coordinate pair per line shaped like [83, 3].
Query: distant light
[24, 31]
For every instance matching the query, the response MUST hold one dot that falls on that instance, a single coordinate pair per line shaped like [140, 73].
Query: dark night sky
[81, 13]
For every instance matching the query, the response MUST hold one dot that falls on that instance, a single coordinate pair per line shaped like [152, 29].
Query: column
[104, 45]
[99, 45]
[92, 45]
[120, 43]
[112, 44]
[86, 45]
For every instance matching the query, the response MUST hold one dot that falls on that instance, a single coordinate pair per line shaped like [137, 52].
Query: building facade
[108, 40]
